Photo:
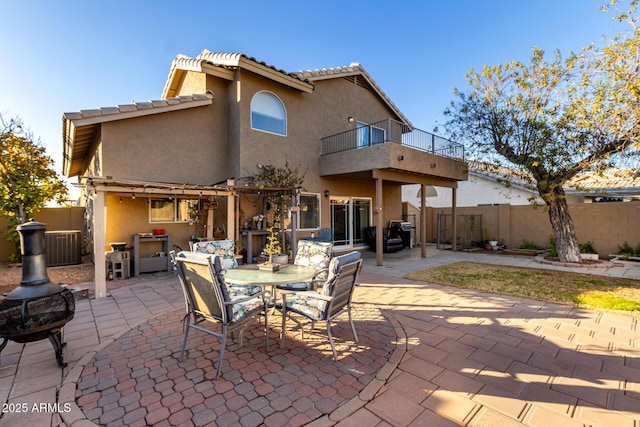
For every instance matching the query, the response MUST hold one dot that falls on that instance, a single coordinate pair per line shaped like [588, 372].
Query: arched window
[268, 113]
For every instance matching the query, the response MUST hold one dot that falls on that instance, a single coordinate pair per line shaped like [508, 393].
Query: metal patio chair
[329, 303]
[209, 302]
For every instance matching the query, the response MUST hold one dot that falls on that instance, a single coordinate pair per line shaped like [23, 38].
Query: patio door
[350, 216]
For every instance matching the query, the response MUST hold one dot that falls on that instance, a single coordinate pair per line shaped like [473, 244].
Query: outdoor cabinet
[151, 253]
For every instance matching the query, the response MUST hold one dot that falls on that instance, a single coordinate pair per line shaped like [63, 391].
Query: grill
[36, 309]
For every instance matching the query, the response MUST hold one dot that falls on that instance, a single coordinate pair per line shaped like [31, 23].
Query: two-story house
[177, 163]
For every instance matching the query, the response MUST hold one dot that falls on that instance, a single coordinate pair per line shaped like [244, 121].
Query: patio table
[251, 275]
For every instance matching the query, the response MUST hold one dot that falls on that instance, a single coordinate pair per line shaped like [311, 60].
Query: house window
[268, 113]
[369, 135]
[161, 210]
[187, 210]
[309, 211]
[172, 210]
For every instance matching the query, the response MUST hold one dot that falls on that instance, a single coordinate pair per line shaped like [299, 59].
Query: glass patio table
[251, 275]
[286, 275]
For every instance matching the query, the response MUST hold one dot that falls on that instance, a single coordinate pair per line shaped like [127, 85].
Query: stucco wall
[131, 216]
[309, 118]
[181, 146]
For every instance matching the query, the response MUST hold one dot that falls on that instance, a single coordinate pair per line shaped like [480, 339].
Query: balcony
[392, 145]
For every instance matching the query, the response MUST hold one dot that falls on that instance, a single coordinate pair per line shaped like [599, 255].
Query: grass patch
[557, 287]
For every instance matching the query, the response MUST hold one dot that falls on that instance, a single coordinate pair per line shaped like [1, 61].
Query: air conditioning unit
[63, 247]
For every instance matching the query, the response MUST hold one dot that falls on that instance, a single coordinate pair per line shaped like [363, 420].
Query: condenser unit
[63, 247]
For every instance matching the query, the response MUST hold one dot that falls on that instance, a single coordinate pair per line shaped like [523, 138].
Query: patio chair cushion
[231, 293]
[311, 254]
[222, 248]
[305, 303]
[234, 291]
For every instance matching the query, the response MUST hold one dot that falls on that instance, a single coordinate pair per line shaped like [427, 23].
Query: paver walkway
[444, 357]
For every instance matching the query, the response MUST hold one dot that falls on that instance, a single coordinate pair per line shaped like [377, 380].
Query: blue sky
[63, 56]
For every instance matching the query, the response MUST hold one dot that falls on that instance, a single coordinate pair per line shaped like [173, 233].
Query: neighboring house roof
[511, 177]
[223, 65]
[354, 69]
[609, 183]
[612, 182]
[79, 129]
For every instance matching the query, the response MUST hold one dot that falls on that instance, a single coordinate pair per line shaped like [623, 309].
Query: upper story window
[268, 113]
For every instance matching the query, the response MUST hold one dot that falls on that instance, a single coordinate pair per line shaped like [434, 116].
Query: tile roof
[217, 63]
[104, 112]
[232, 60]
[609, 179]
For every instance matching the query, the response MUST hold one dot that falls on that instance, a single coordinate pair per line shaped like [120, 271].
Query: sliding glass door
[350, 216]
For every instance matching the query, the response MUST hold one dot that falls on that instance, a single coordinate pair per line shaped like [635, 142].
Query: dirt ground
[10, 275]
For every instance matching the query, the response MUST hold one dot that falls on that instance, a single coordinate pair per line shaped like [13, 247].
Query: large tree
[556, 118]
[27, 179]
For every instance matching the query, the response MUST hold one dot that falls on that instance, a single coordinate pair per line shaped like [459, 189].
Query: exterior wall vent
[63, 247]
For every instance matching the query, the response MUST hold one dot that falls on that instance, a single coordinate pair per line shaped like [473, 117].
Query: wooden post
[99, 243]
[379, 223]
[454, 245]
[423, 221]
[231, 217]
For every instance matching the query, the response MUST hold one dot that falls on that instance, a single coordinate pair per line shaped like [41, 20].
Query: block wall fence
[606, 225]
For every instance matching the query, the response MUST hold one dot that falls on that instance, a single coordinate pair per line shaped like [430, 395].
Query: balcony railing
[391, 131]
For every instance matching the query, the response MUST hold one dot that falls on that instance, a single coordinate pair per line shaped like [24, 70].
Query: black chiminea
[36, 309]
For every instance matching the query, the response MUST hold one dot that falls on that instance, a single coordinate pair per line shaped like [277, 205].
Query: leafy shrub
[627, 250]
[587, 248]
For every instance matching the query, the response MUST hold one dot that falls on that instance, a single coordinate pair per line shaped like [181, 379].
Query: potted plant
[271, 249]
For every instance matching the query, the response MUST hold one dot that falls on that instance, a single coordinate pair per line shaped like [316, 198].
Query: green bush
[587, 248]
[627, 250]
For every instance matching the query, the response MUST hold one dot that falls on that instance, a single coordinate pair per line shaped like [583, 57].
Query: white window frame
[174, 209]
[284, 111]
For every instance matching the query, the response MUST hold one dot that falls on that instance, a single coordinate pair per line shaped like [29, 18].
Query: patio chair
[311, 254]
[208, 300]
[328, 304]
[223, 248]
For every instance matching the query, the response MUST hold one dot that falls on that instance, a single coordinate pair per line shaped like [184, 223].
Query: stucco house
[178, 164]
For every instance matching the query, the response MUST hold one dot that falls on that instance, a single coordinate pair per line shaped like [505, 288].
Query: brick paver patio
[428, 355]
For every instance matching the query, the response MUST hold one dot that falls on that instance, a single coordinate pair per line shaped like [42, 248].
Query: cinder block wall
[606, 225]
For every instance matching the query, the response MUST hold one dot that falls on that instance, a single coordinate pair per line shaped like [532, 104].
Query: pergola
[97, 189]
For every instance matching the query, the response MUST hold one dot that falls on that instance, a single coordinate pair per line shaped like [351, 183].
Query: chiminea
[36, 309]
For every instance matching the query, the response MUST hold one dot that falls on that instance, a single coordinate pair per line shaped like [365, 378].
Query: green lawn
[579, 290]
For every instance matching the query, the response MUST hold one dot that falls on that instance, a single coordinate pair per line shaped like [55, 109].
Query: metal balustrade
[390, 130]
